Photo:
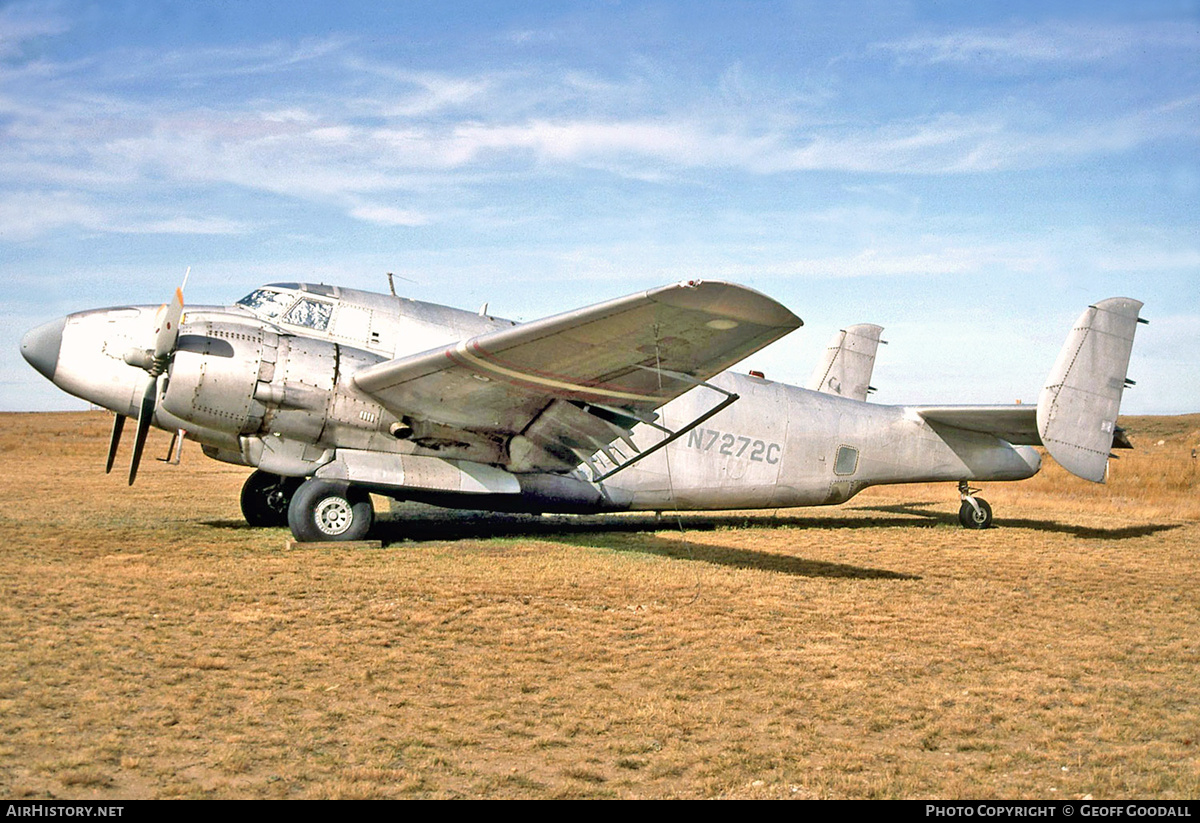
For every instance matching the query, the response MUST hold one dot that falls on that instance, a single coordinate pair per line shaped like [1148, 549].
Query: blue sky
[968, 175]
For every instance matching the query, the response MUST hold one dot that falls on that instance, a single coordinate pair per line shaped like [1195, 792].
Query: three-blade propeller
[155, 361]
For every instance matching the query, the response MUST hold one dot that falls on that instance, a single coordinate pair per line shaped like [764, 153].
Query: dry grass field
[154, 646]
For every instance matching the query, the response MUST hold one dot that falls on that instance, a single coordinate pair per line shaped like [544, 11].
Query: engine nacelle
[212, 378]
[243, 379]
[277, 400]
[296, 383]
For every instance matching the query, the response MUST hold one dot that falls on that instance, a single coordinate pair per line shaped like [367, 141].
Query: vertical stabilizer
[1077, 410]
[848, 363]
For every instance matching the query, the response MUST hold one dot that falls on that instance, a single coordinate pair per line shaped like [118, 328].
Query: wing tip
[730, 300]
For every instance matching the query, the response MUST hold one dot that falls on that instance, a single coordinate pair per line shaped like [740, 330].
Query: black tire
[972, 519]
[330, 510]
[266, 497]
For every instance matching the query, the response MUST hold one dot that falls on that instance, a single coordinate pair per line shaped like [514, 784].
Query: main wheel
[975, 519]
[266, 496]
[330, 510]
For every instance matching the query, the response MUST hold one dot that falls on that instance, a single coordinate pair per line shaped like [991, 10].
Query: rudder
[1077, 410]
[848, 363]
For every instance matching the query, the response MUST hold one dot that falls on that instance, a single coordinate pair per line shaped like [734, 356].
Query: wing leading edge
[568, 383]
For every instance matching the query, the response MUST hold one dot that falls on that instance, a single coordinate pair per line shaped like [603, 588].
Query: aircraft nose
[40, 346]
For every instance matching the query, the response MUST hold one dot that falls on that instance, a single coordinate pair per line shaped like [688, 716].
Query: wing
[558, 389]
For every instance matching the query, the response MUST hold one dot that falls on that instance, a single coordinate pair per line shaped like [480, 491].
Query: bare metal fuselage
[281, 398]
[781, 445]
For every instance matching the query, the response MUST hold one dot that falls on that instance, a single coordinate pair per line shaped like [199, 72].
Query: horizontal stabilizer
[1014, 424]
[1077, 410]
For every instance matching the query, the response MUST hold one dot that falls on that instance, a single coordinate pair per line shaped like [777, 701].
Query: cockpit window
[267, 303]
[313, 314]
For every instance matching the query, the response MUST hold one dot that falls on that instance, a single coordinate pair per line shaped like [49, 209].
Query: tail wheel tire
[266, 497]
[329, 510]
[972, 518]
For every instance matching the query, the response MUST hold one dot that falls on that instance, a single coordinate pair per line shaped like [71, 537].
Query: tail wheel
[266, 497]
[330, 510]
[975, 513]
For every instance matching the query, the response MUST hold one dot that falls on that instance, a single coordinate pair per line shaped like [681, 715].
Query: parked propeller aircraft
[333, 393]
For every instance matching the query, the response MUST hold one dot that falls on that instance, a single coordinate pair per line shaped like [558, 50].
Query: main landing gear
[314, 509]
[974, 513]
[330, 510]
[265, 498]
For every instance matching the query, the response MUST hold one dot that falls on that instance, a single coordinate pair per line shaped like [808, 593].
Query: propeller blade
[168, 326]
[166, 333]
[114, 441]
[145, 416]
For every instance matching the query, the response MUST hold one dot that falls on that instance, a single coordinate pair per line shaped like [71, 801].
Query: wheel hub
[334, 516]
[277, 500]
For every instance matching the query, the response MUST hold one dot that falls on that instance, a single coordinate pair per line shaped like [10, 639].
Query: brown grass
[152, 645]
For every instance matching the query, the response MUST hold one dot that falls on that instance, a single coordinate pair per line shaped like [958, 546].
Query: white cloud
[408, 131]
[1051, 42]
[181, 225]
[388, 216]
[423, 93]
[25, 215]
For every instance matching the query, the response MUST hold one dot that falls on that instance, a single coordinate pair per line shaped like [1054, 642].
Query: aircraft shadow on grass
[635, 533]
[738, 558]
[1050, 526]
[639, 533]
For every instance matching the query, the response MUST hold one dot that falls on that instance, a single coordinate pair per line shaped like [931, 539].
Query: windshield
[311, 313]
[267, 303]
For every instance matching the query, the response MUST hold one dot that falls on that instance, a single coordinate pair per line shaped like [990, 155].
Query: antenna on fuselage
[391, 284]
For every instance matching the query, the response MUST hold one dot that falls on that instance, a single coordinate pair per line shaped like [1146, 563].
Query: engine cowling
[243, 379]
[212, 378]
[272, 397]
[296, 382]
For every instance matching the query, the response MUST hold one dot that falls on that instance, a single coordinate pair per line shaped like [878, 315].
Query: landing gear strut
[265, 498]
[974, 513]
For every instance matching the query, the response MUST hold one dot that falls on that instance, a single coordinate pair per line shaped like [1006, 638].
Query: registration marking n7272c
[734, 445]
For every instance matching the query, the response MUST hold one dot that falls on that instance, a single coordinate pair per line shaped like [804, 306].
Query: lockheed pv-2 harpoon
[332, 394]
